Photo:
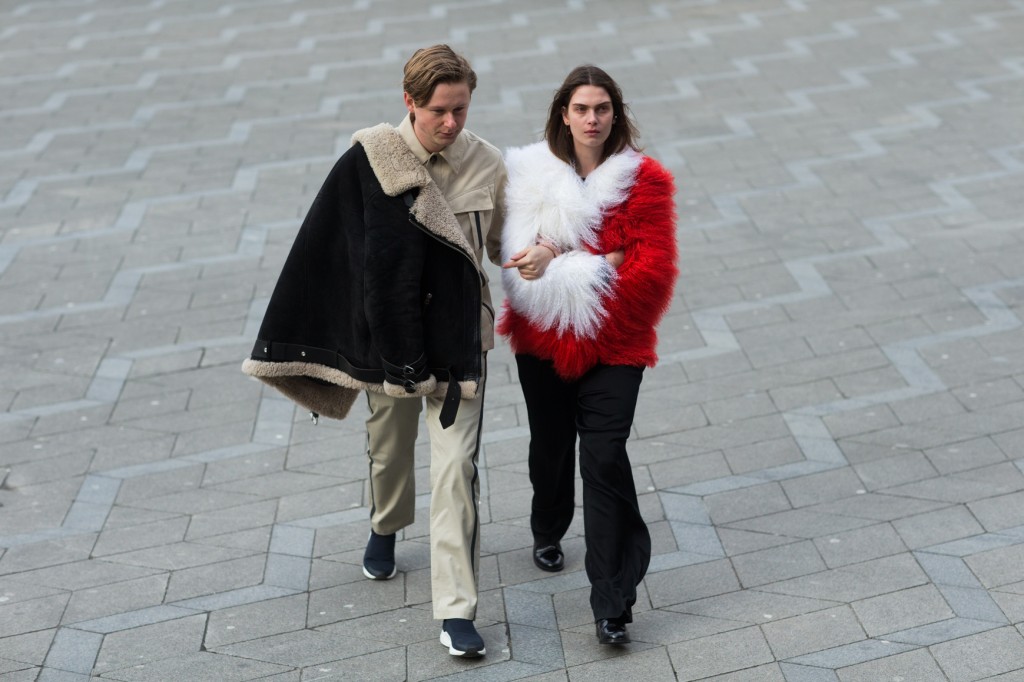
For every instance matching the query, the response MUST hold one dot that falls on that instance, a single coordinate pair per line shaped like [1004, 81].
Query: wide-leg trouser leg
[551, 410]
[618, 542]
[454, 510]
[390, 446]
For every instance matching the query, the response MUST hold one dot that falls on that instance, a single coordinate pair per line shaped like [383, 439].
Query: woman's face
[589, 116]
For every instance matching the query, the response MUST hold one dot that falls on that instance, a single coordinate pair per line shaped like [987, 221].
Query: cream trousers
[454, 490]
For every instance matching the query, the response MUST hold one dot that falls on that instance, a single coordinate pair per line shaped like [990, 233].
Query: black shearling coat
[381, 290]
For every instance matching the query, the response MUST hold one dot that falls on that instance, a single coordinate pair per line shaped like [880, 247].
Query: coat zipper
[430, 233]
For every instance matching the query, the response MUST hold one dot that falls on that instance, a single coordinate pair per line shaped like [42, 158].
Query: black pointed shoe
[612, 631]
[549, 557]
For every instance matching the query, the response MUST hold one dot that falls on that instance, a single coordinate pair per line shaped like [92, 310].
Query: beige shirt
[471, 175]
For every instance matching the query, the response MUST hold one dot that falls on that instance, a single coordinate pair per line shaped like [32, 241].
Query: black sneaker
[379, 558]
[461, 638]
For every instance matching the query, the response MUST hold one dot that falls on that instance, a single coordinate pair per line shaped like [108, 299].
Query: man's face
[440, 120]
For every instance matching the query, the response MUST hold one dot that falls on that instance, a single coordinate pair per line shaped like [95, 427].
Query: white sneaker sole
[380, 577]
[446, 640]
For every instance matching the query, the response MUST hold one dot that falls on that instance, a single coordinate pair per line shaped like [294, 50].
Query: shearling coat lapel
[399, 171]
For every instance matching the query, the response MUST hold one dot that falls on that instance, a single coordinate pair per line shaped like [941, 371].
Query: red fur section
[644, 227]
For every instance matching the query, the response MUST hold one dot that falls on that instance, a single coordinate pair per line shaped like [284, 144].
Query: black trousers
[599, 408]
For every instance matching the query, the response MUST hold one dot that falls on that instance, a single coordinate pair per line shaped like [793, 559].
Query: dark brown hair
[624, 132]
[430, 66]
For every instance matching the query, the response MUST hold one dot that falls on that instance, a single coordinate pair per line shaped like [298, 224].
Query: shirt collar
[454, 153]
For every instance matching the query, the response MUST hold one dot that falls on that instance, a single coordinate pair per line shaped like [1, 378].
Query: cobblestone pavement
[830, 454]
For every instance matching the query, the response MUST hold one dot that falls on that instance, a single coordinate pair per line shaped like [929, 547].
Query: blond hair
[430, 66]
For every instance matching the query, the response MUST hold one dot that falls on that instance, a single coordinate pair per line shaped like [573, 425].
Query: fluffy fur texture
[580, 312]
[546, 197]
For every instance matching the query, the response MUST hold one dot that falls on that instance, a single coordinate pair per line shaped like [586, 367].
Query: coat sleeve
[497, 225]
[645, 229]
[394, 258]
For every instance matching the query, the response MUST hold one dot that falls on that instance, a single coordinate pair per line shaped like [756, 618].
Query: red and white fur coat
[582, 311]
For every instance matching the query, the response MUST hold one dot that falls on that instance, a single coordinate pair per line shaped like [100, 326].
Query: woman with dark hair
[590, 262]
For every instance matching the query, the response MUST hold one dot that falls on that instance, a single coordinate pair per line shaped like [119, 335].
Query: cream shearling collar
[398, 171]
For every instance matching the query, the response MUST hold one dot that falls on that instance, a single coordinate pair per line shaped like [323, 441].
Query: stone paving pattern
[830, 455]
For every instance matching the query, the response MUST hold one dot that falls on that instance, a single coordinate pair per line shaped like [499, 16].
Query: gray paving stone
[666, 626]
[651, 664]
[718, 654]
[213, 578]
[947, 570]
[998, 566]
[735, 542]
[691, 582]
[858, 581]
[913, 666]
[177, 556]
[301, 648]
[965, 455]
[800, 673]
[859, 545]
[199, 665]
[822, 487]
[902, 610]
[151, 642]
[73, 651]
[792, 637]
[387, 666]
[801, 523]
[984, 654]
[972, 603]
[1000, 512]
[749, 502]
[945, 631]
[32, 614]
[22, 669]
[937, 527]
[778, 563]
[852, 654]
[231, 519]
[248, 621]
[257, 539]
[107, 600]
[333, 604]
[139, 537]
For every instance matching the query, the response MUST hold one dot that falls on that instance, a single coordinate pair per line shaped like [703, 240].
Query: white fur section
[546, 197]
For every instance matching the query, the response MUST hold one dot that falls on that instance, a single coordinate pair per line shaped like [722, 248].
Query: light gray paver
[833, 428]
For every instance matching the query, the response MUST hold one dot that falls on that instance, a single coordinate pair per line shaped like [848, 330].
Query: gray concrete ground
[829, 455]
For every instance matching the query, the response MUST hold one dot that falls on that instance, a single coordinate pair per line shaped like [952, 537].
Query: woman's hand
[531, 261]
[615, 258]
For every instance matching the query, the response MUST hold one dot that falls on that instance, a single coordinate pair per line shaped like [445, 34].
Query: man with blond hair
[384, 291]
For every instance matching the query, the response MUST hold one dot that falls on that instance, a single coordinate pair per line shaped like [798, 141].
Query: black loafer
[549, 557]
[612, 631]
